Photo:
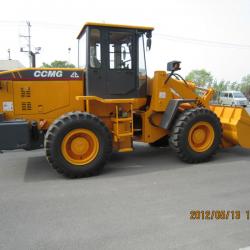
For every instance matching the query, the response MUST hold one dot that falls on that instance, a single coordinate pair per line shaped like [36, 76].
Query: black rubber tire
[57, 131]
[163, 142]
[179, 136]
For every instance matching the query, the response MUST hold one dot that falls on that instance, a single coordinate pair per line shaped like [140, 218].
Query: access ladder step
[123, 135]
[124, 150]
[128, 119]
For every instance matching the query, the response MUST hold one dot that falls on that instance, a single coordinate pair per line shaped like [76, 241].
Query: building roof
[10, 64]
[145, 28]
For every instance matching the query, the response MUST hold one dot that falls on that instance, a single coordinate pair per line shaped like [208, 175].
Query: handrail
[96, 98]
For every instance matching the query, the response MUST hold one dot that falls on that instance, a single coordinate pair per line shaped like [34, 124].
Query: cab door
[121, 78]
[96, 69]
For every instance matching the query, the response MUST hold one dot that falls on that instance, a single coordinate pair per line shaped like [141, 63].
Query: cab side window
[95, 48]
[120, 50]
[230, 95]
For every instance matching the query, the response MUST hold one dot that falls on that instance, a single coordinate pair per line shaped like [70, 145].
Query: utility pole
[29, 42]
[9, 54]
[69, 50]
[32, 55]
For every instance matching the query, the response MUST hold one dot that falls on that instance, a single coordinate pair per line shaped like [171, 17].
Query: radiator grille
[25, 92]
[26, 106]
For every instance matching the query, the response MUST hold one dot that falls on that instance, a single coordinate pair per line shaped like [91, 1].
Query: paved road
[142, 201]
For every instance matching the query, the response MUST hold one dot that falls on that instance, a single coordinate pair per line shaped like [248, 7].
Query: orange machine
[81, 115]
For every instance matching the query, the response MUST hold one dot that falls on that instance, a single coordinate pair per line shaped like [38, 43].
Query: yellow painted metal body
[108, 110]
[236, 125]
[80, 147]
[42, 101]
[46, 100]
[201, 136]
[160, 95]
[109, 25]
[112, 25]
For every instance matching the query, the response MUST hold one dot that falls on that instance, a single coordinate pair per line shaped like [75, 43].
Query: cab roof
[144, 28]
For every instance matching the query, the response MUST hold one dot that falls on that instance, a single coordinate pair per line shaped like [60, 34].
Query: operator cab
[114, 59]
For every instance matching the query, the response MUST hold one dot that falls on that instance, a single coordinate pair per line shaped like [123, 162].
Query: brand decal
[162, 95]
[8, 106]
[74, 75]
[48, 73]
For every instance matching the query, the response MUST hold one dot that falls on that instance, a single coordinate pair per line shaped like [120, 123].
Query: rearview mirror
[173, 66]
[149, 43]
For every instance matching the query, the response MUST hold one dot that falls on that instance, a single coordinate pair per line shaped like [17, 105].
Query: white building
[10, 64]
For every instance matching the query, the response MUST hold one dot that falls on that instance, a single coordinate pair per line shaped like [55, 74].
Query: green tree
[221, 85]
[234, 86]
[200, 77]
[218, 87]
[58, 64]
[245, 85]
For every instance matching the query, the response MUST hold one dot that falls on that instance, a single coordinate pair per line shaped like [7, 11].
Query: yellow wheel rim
[80, 146]
[201, 136]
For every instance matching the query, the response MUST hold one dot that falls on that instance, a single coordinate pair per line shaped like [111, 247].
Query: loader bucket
[236, 125]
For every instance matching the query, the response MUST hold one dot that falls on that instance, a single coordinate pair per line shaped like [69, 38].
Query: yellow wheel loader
[81, 115]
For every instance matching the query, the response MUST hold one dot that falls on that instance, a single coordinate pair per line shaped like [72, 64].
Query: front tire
[196, 135]
[78, 145]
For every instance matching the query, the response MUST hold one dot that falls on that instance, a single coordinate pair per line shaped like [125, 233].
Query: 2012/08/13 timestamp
[219, 214]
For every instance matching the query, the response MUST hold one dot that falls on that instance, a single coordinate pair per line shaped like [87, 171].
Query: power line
[43, 24]
[209, 43]
[10, 22]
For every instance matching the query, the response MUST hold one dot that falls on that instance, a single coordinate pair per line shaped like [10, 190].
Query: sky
[209, 34]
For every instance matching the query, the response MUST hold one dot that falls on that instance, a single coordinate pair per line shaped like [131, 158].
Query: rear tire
[78, 145]
[196, 135]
